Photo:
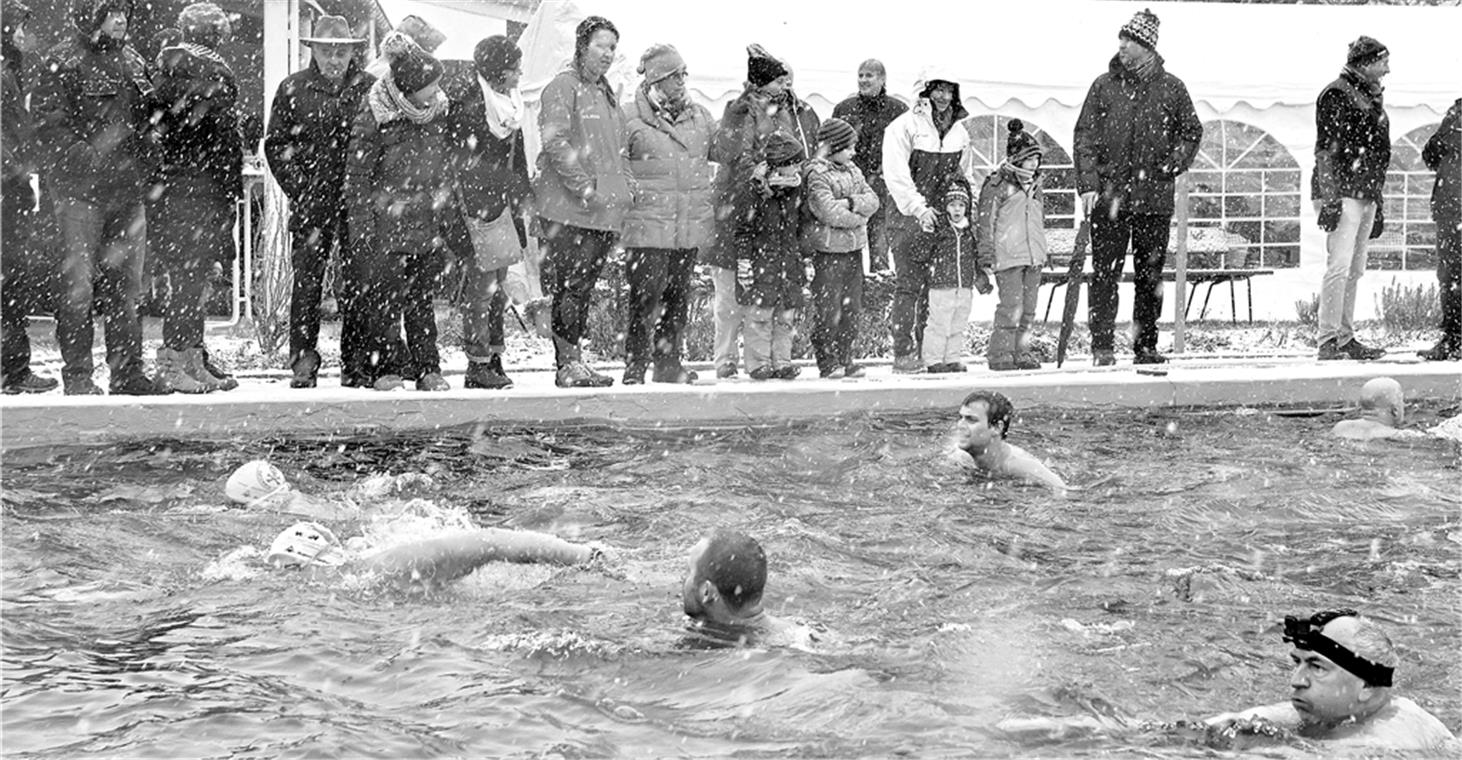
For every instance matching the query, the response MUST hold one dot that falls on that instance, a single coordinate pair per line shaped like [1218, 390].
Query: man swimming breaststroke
[1344, 669]
[979, 436]
[723, 592]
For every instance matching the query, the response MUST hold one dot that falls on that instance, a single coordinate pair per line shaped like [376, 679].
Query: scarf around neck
[1026, 177]
[1371, 87]
[504, 112]
[389, 104]
[1146, 69]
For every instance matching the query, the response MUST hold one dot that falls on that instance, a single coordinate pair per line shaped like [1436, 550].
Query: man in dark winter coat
[1443, 155]
[17, 199]
[199, 185]
[309, 129]
[1136, 133]
[1352, 151]
[93, 114]
[870, 112]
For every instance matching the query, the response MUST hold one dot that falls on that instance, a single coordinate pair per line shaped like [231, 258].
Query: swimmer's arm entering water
[447, 558]
[1280, 714]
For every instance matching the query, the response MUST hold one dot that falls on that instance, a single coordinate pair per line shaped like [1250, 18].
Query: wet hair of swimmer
[998, 409]
[736, 565]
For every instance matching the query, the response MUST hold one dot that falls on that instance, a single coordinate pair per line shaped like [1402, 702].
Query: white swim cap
[255, 481]
[306, 543]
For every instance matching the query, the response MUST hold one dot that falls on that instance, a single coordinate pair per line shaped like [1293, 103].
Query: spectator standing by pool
[199, 184]
[492, 166]
[839, 204]
[582, 191]
[1443, 155]
[1352, 151]
[949, 254]
[399, 184]
[924, 150]
[1136, 133]
[309, 132]
[766, 105]
[18, 199]
[769, 234]
[1012, 242]
[669, 143]
[870, 112]
[98, 162]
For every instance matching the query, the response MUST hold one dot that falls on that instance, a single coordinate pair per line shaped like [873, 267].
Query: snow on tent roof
[1031, 51]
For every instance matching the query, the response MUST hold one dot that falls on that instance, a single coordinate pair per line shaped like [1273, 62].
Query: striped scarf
[389, 104]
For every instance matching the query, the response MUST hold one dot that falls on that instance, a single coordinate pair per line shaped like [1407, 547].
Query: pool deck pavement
[265, 405]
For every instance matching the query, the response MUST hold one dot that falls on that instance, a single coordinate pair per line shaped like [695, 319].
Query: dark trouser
[102, 260]
[310, 249]
[837, 300]
[17, 204]
[1449, 277]
[484, 302]
[1147, 235]
[659, 303]
[910, 310]
[878, 231]
[397, 290]
[570, 268]
[191, 228]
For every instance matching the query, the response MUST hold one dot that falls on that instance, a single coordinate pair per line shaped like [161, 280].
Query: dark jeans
[659, 303]
[190, 228]
[1449, 277]
[17, 204]
[837, 300]
[102, 262]
[396, 290]
[571, 266]
[910, 310]
[1147, 235]
[310, 249]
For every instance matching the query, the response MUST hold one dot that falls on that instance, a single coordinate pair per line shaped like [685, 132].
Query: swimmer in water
[1341, 687]
[723, 590]
[1382, 409]
[979, 438]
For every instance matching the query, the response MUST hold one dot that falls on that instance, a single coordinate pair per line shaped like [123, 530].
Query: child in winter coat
[1012, 245]
[769, 231]
[951, 251]
[836, 231]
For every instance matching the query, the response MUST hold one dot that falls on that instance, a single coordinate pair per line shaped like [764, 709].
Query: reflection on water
[966, 617]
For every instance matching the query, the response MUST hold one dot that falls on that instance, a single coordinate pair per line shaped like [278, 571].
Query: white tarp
[464, 23]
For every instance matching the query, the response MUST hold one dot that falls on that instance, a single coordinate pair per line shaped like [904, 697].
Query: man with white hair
[1341, 689]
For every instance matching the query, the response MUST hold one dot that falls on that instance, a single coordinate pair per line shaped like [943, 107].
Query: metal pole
[1180, 257]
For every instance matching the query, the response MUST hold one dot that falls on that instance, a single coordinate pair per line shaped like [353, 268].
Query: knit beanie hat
[837, 135]
[495, 56]
[660, 61]
[204, 24]
[586, 29]
[783, 149]
[1142, 29]
[422, 33]
[1021, 144]
[957, 192]
[414, 70]
[761, 67]
[1365, 50]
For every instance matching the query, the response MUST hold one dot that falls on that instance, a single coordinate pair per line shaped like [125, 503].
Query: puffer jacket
[949, 252]
[198, 118]
[1134, 136]
[919, 162]
[92, 109]
[1011, 225]
[309, 129]
[740, 145]
[399, 182]
[1352, 141]
[582, 180]
[1443, 155]
[832, 224]
[669, 158]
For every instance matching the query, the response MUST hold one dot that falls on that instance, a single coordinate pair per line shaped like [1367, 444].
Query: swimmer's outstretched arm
[1280, 713]
[447, 558]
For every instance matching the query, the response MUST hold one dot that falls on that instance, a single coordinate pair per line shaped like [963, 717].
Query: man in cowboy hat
[309, 130]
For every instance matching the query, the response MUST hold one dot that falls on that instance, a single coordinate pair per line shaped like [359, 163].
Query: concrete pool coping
[265, 405]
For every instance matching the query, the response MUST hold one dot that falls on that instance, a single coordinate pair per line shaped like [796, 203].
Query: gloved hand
[983, 286]
[1330, 215]
[1379, 226]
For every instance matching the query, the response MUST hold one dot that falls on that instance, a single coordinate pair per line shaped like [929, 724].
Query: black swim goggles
[1305, 634]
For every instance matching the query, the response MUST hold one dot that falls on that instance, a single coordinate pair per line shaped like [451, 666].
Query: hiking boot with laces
[577, 374]
[30, 382]
[488, 375]
[1361, 352]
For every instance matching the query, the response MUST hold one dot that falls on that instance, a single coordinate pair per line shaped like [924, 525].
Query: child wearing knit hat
[769, 235]
[1012, 244]
[950, 252]
[840, 201]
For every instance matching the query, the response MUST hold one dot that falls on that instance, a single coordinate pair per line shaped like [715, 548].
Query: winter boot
[1449, 348]
[908, 365]
[173, 375]
[30, 382]
[487, 375]
[225, 380]
[672, 371]
[305, 367]
[193, 363]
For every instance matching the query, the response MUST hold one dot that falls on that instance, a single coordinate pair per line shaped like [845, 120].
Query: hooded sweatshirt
[920, 160]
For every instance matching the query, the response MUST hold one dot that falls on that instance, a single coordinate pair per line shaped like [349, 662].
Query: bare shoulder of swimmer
[1370, 430]
[1019, 463]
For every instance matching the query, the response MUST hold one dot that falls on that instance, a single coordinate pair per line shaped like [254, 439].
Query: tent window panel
[1247, 184]
[1287, 205]
[1410, 237]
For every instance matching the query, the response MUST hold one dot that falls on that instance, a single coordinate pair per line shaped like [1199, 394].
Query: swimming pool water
[953, 604]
